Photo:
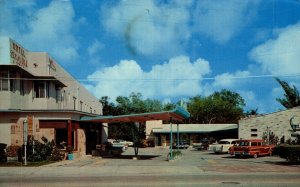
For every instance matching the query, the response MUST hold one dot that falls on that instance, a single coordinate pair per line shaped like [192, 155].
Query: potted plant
[70, 153]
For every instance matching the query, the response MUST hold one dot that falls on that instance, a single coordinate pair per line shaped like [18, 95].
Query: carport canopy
[177, 114]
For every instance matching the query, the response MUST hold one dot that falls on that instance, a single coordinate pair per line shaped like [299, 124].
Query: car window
[224, 142]
[233, 142]
[258, 143]
[253, 143]
[244, 143]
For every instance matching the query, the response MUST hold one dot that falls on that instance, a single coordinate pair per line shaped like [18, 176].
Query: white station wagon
[223, 145]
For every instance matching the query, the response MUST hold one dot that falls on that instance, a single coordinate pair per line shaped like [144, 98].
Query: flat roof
[195, 128]
[178, 114]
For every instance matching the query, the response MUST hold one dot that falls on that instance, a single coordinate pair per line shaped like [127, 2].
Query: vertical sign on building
[30, 125]
[25, 133]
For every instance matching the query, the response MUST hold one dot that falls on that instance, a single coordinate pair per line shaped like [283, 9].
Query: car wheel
[270, 154]
[255, 155]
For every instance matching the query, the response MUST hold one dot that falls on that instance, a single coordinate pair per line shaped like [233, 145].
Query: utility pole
[25, 134]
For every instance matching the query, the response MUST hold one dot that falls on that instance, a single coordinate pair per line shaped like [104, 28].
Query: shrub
[289, 152]
[42, 151]
[56, 155]
[175, 154]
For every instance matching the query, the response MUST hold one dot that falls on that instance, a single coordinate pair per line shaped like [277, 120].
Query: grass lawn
[29, 164]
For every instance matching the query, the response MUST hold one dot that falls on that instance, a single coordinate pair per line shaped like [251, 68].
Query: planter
[70, 156]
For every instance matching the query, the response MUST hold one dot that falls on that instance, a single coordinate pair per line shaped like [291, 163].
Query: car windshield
[224, 142]
[243, 143]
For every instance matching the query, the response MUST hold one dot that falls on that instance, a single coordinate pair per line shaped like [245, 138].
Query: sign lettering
[18, 55]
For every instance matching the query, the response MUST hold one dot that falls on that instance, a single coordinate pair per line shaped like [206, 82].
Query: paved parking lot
[204, 161]
[194, 168]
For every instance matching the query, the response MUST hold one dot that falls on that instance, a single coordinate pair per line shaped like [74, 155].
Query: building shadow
[284, 163]
[131, 157]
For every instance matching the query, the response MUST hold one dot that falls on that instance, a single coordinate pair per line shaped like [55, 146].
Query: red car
[251, 147]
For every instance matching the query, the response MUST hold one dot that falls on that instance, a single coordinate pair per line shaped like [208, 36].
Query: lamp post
[25, 135]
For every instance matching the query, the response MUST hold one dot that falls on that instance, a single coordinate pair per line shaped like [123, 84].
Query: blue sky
[167, 50]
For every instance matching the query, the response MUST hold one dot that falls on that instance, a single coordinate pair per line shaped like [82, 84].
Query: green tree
[133, 104]
[109, 108]
[291, 96]
[220, 107]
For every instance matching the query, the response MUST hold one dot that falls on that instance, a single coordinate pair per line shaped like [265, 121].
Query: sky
[168, 50]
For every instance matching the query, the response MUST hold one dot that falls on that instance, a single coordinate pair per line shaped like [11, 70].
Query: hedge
[289, 152]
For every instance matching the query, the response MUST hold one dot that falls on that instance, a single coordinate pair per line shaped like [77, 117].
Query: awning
[178, 114]
[196, 128]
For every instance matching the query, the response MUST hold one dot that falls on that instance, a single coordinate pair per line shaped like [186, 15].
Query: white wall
[5, 134]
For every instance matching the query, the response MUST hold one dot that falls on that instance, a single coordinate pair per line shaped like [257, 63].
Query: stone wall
[81, 141]
[278, 122]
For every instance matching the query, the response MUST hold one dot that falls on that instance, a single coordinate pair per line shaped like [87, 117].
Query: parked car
[119, 144]
[254, 148]
[126, 143]
[197, 145]
[3, 155]
[182, 145]
[114, 149]
[222, 146]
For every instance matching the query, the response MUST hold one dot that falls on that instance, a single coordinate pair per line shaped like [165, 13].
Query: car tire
[255, 155]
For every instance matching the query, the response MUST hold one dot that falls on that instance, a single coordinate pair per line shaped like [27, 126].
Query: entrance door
[61, 135]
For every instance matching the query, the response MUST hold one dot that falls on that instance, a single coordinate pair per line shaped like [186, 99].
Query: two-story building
[35, 89]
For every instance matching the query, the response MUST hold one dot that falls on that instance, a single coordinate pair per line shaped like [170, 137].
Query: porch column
[171, 140]
[69, 133]
[177, 136]
[76, 136]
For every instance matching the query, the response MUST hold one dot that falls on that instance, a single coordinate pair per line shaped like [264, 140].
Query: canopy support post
[171, 140]
[177, 136]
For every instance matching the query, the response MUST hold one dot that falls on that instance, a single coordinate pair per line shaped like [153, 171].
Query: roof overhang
[178, 114]
[196, 128]
[51, 78]
[27, 75]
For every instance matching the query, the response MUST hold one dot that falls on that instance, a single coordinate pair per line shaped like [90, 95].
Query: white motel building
[36, 89]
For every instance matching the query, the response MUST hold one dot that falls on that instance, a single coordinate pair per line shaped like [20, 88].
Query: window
[40, 89]
[58, 94]
[22, 90]
[12, 81]
[224, 142]
[254, 144]
[81, 103]
[13, 129]
[74, 100]
[253, 135]
[253, 130]
[4, 80]
[258, 143]
[242, 143]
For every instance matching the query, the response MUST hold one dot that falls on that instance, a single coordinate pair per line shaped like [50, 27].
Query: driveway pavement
[192, 160]
[192, 169]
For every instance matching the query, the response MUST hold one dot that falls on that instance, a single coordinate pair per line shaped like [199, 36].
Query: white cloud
[148, 28]
[47, 29]
[95, 48]
[227, 80]
[221, 20]
[178, 77]
[280, 55]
